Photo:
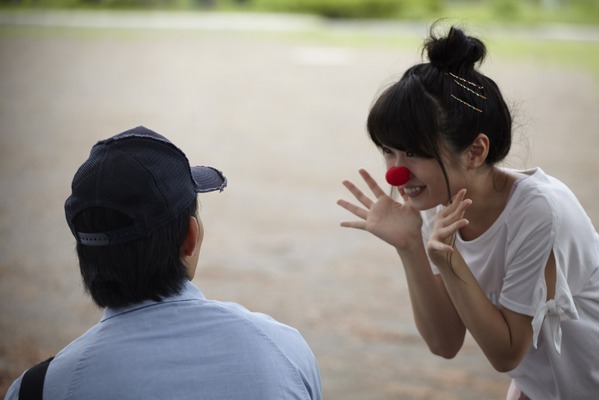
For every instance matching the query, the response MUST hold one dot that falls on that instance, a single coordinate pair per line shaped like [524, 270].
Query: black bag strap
[32, 384]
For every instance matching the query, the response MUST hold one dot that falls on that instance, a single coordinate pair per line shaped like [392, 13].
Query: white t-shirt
[508, 260]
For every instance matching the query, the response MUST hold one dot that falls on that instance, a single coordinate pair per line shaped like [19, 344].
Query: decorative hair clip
[456, 79]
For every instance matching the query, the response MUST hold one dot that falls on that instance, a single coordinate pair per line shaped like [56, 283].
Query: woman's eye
[385, 150]
[410, 154]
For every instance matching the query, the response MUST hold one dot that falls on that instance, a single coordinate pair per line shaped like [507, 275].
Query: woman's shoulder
[542, 197]
[533, 187]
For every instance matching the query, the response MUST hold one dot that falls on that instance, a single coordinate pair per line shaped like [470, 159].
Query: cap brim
[208, 179]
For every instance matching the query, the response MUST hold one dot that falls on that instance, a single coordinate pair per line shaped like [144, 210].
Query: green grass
[523, 14]
[582, 56]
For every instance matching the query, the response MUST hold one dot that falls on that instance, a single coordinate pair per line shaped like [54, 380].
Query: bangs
[405, 117]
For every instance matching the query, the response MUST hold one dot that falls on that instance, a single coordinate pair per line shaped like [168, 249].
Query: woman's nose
[394, 160]
[397, 176]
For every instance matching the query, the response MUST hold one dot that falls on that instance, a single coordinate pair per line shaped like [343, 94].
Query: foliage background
[528, 11]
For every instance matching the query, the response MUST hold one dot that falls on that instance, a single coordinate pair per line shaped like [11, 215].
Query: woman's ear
[477, 152]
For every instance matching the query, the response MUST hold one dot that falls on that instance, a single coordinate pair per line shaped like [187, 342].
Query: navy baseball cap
[141, 174]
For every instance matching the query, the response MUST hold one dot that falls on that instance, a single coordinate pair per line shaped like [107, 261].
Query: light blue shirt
[185, 347]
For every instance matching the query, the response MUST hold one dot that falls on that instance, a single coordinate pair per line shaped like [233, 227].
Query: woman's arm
[503, 335]
[435, 316]
[400, 225]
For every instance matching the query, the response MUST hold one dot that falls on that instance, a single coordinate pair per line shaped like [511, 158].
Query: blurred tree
[336, 8]
[506, 9]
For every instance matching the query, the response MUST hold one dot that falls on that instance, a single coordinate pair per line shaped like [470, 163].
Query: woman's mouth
[413, 191]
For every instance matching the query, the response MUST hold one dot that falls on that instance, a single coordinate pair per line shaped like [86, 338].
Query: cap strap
[110, 237]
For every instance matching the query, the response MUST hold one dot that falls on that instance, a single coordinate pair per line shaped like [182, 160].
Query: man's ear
[477, 152]
[191, 238]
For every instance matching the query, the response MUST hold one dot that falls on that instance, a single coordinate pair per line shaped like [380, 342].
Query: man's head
[130, 211]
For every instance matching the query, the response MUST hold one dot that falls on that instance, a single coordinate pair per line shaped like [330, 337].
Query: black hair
[144, 269]
[445, 102]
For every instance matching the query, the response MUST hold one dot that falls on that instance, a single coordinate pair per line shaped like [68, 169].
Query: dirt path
[285, 120]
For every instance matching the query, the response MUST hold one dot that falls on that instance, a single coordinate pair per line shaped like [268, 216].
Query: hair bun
[455, 52]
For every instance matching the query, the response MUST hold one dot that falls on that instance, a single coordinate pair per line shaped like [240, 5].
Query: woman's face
[426, 187]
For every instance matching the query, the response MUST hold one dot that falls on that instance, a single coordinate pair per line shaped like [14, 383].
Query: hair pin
[468, 104]
[465, 80]
[470, 90]
[479, 87]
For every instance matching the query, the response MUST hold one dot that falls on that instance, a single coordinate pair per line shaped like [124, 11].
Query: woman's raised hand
[447, 223]
[396, 223]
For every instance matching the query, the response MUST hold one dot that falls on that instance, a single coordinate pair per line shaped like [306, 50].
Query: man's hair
[149, 268]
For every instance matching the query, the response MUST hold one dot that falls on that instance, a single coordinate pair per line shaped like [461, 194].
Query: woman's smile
[413, 191]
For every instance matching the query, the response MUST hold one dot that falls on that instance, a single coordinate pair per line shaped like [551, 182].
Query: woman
[508, 255]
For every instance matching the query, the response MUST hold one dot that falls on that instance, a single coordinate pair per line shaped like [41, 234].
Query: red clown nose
[397, 176]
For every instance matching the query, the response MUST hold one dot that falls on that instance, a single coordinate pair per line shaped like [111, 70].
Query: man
[133, 214]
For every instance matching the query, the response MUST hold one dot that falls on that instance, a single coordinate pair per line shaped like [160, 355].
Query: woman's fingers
[358, 211]
[374, 187]
[457, 207]
[381, 215]
[448, 231]
[435, 245]
[372, 209]
[354, 209]
[449, 221]
[358, 194]
[353, 224]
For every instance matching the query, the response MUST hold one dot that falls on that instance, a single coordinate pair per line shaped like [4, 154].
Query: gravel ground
[284, 118]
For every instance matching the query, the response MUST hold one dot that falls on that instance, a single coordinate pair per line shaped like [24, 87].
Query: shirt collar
[188, 292]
